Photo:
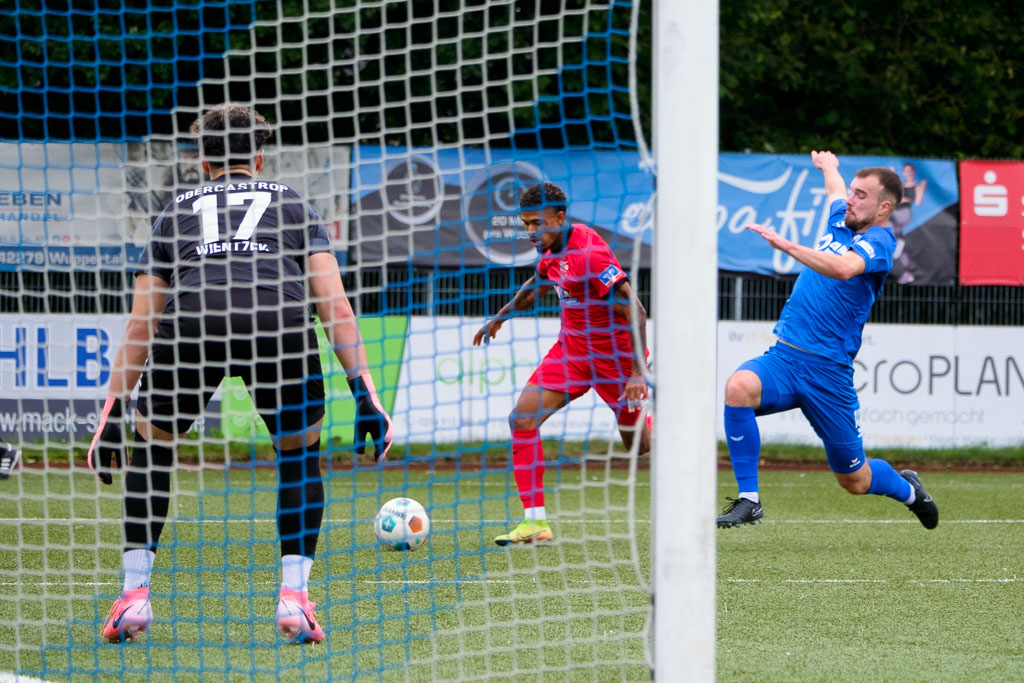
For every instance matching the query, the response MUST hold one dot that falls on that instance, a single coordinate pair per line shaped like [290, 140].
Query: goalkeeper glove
[108, 443]
[371, 419]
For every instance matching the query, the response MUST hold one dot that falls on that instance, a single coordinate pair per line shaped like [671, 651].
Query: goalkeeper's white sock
[536, 513]
[295, 571]
[752, 496]
[138, 566]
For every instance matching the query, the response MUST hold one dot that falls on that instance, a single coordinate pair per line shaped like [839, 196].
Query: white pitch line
[1013, 579]
[87, 521]
[60, 583]
[809, 581]
[829, 484]
[532, 580]
[13, 677]
[382, 582]
[890, 521]
[437, 582]
[473, 482]
[520, 579]
[1005, 580]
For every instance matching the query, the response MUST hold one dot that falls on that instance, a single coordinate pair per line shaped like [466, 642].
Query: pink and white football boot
[296, 619]
[130, 615]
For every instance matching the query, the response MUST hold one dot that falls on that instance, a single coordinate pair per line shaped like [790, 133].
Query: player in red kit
[594, 347]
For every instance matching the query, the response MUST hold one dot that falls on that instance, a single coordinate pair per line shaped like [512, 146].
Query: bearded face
[864, 203]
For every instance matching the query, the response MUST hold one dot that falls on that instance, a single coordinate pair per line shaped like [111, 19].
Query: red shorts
[575, 369]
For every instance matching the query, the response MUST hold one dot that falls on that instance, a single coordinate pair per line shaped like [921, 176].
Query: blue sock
[744, 440]
[885, 481]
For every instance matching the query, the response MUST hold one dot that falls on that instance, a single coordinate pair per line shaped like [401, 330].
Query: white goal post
[411, 129]
[683, 473]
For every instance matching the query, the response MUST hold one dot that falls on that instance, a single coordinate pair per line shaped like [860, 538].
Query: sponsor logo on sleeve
[868, 249]
[610, 276]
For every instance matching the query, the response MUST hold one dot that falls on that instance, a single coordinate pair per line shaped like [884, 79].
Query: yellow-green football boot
[529, 531]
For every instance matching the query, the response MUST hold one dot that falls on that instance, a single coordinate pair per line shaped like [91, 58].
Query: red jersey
[584, 273]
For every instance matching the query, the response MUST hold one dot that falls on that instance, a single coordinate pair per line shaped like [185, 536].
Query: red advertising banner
[991, 223]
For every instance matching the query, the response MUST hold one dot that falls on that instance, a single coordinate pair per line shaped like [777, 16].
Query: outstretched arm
[828, 264]
[523, 300]
[828, 164]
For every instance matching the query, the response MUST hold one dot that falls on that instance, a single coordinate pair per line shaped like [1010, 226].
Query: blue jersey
[826, 316]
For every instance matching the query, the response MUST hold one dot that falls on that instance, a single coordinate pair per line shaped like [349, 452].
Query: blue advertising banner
[459, 207]
[455, 207]
[788, 193]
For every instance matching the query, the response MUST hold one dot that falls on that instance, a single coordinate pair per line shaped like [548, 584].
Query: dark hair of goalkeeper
[231, 134]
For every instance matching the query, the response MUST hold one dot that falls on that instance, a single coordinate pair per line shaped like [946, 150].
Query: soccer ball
[401, 524]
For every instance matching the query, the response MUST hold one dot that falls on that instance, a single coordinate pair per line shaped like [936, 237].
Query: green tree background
[903, 77]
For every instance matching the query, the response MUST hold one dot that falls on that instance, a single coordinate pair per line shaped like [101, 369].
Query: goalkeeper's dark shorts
[204, 337]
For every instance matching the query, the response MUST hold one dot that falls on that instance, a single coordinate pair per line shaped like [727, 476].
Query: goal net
[411, 129]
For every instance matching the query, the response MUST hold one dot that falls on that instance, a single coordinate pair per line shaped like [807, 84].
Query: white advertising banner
[59, 195]
[54, 372]
[450, 390]
[920, 386]
[57, 356]
[89, 206]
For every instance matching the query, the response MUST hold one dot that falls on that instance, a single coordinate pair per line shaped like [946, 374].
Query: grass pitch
[833, 587]
[830, 586]
[459, 608]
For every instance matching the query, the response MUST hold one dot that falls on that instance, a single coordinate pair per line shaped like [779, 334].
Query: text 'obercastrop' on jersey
[235, 231]
[826, 316]
[584, 273]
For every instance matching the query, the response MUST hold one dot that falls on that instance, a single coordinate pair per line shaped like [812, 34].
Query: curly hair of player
[542, 196]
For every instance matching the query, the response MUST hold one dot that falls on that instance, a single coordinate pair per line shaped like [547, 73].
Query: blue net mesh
[411, 130]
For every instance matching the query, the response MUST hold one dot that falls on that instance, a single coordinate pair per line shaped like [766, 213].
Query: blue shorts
[823, 390]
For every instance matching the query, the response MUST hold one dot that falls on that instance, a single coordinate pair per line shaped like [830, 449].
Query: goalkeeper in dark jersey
[223, 290]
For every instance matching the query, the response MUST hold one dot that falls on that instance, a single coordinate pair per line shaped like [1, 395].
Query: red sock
[528, 466]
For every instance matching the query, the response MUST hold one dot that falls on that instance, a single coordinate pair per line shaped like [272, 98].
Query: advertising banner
[991, 223]
[90, 206]
[384, 338]
[460, 207]
[57, 356]
[787, 193]
[54, 372]
[451, 391]
[920, 386]
[62, 205]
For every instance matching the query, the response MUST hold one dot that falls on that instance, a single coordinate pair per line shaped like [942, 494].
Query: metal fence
[747, 297]
[408, 290]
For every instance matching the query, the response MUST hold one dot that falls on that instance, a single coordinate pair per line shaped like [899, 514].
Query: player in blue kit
[819, 331]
